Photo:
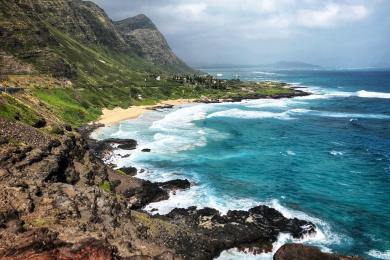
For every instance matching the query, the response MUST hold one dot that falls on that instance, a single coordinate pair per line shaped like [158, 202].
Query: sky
[330, 33]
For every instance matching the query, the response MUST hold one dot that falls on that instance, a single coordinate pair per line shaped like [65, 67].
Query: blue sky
[344, 33]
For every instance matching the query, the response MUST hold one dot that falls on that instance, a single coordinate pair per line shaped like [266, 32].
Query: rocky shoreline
[60, 201]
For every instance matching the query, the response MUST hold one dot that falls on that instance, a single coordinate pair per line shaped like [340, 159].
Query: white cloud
[191, 11]
[332, 15]
[258, 19]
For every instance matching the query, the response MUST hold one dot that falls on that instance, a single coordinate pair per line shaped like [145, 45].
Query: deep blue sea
[325, 157]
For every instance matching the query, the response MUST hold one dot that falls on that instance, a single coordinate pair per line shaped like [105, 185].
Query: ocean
[324, 157]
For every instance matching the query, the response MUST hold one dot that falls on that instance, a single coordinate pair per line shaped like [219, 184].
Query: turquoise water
[325, 157]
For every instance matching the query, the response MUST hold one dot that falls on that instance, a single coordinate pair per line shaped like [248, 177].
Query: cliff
[140, 33]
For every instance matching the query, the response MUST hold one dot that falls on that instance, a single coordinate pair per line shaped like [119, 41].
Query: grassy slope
[103, 78]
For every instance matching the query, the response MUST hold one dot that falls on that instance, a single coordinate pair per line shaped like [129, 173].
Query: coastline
[118, 114]
[112, 201]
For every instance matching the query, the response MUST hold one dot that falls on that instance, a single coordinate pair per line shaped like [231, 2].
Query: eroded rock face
[303, 252]
[42, 244]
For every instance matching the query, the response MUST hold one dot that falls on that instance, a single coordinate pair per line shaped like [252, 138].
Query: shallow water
[324, 157]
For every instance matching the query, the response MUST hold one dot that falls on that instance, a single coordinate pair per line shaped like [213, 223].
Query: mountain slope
[73, 60]
[140, 33]
[35, 31]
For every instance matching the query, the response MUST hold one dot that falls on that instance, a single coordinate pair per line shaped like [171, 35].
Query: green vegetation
[12, 109]
[66, 104]
[40, 222]
[121, 172]
[106, 186]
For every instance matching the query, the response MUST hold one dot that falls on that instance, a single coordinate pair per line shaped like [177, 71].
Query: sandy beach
[119, 114]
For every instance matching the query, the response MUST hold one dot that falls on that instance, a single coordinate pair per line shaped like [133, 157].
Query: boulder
[304, 252]
[175, 185]
[124, 144]
[40, 123]
[131, 171]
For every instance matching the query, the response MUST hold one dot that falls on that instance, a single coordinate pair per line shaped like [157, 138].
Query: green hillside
[72, 61]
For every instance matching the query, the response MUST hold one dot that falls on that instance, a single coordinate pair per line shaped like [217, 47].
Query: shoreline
[118, 114]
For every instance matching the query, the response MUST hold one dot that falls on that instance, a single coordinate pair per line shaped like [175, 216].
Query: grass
[12, 109]
[40, 222]
[67, 105]
[106, 186]
[121, 172]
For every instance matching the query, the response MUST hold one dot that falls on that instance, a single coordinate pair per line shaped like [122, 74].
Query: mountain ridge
[138, 31]
[83, 21]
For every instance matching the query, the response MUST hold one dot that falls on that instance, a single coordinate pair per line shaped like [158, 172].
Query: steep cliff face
[39, 32]
[140, 33]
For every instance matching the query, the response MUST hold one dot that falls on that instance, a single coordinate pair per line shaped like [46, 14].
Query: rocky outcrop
[10, 65]
[42, 244]
[131, 171]
[174, 185]
[211, 232]
[304, 252]
[124, 144]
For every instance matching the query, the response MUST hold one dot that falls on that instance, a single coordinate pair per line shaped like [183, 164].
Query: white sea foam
[234, 253]
[295, 83]
[177, 131]
[337, 114]
[324, 95]
[380, 255]
[370, 94]
[321, 94]
[247, 114]
[277, 103]
[289, 152]
[265, 73]
[181, 118]
[336, 153]
[200, 196]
